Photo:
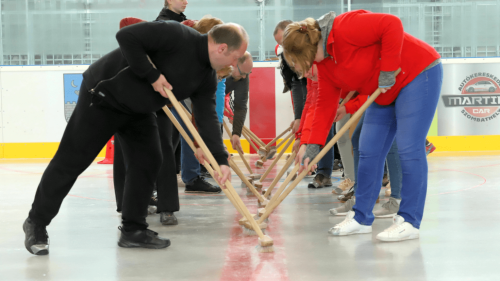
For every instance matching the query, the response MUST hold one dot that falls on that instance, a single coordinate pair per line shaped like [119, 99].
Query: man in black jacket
[119, 94]
[167, 200]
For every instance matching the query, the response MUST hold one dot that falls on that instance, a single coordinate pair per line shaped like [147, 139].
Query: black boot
[36, 238]
[142, 239]
[200, 185]
[168, 218]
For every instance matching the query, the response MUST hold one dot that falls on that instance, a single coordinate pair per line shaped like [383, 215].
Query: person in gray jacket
[239, 83]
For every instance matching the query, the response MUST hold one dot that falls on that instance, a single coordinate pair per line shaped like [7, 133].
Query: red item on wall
[263, 109]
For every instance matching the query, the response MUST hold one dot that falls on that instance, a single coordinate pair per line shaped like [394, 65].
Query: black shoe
[385, 180]
[142, 239]
[204, 173]
[200, 185]
[168, 218]
[314, 185]
[313, 174]
[36, 238]
[337, 165]
[320, 181]
[349, 195]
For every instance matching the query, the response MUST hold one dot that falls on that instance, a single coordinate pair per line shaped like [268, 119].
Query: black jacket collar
[167, 14]
[203, 50]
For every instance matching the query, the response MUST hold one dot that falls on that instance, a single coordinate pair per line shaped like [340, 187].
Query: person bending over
[120, 94]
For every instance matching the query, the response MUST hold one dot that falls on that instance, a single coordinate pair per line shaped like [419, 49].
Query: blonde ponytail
[300, 44]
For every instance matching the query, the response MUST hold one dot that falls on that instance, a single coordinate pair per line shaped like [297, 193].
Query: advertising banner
[470, 100]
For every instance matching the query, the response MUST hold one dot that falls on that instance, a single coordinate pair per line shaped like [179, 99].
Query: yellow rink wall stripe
[466, 143]
[32, 150]
[442, 143]
[246, 146]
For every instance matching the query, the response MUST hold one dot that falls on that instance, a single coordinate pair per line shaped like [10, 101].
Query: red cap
[129, 21]
[189, 23]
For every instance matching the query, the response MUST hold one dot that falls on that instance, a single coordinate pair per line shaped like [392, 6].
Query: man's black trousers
[166, 184]
[91, 125]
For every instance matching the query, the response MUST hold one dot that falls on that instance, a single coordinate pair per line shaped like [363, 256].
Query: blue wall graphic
[72, 83]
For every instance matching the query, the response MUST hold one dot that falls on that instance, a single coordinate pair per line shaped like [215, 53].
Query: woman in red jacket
[325, 165]
[360, 51]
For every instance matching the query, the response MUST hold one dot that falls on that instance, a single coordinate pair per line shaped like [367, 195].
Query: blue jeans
[392, 161]
[325, 165]
[355, 149]
[190, 167]
[408, 120]
[395, 172]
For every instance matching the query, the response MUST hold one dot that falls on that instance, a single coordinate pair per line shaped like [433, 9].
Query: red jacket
[362, 44]
[308, 112]
[304, 131]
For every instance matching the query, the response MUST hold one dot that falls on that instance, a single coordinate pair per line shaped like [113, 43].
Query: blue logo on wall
[72, 83]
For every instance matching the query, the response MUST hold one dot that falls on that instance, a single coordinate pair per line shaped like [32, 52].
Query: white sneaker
[399, 231]
[389, 209]
[346, 184]
[350, 226]
[152, 209]
[346, 207]
[180, 183]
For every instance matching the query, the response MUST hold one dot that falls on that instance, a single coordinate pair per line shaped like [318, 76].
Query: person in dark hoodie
[120, 94]
[173, 10]
[192, 177]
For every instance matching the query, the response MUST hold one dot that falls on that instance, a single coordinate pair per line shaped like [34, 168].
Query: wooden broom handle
[249, 140]
[226, 127]
[291, 138]
[280, 174]
[254, 136]
[244, 179]
[280, 190]
[325, 149]
[278, 145]
[191, 144]
[213, 162]
[346, 100]
[276, 138]
[278, 197]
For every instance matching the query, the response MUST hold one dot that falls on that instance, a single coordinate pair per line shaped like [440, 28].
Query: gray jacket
[326, 25]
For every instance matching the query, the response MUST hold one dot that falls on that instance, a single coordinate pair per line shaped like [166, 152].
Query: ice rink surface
[458, 237]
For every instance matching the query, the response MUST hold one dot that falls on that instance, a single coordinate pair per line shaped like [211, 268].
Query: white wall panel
[33, 103]
[32, 100]
[1, 110]
[284, 108]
